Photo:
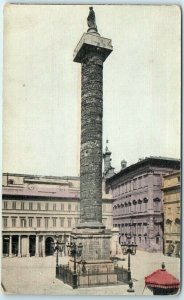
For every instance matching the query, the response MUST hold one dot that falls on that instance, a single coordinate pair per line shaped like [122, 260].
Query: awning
[162, 279]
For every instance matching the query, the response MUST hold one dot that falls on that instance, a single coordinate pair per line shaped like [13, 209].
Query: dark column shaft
[91, 138]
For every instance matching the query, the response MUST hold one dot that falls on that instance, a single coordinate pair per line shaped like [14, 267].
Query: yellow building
[37, 209]
[171, 196]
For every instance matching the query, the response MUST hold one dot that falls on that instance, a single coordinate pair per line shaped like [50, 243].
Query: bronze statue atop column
[91, 20]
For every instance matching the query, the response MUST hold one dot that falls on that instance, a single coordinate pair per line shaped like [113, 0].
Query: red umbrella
[162, 283]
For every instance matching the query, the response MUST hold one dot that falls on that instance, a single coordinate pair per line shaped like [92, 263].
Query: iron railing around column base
[90, 278]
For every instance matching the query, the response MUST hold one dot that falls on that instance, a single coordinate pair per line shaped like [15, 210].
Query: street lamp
[74, 251]
[130, 249]
[58, 247]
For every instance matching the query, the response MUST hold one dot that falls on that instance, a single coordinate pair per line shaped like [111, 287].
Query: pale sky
[142, 83]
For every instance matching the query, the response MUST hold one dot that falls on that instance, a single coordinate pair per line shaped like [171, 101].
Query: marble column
[37, 246]
[27, 250]
[91, 52]
[10, 246]
[43, 245]
[19, 246]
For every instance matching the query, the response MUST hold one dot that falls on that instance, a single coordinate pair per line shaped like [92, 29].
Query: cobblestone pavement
[34, 275]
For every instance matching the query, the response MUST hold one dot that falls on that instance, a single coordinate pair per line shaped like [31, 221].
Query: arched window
[168, 223]
[145, 201]
[129, 207]
[139, 205]
[118, 211]
[177, 225]
[134, 206]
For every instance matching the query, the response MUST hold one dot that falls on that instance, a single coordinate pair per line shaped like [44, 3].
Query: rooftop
[157, 161]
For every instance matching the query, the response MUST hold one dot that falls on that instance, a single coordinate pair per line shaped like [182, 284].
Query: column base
[94, 267]
[95, 241]
[94, 273]
[19, 255]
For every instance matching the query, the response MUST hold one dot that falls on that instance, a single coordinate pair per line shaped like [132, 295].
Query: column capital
[92, 42]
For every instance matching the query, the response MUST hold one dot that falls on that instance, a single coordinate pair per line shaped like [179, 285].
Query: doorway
[49, 246]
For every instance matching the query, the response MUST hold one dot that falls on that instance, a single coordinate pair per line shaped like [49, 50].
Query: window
[13, 222]
[156, 204]
[62, 222]
[38, 206]
[5, 204]
[69, 207]
[38, 222]
[76, 221]
[23, 222]
[22, 205]
[30, 222]
[139, 228]
[177, 225]
[169, 210]
[54, 206]
[104, 208]
[30, 206]
[118, 190]
[46, 222]
[76, 207]
[5, 222]
[69, 222]
[135, 184]
[139, 182]
[134, 206]
[178, 178]
[46, 206]
[62, 206]
[157, 240]
[54, 222]
[145, 204]
[145, 228]
[139, 205]
[14, 205]
[10, 181]
[168, 226]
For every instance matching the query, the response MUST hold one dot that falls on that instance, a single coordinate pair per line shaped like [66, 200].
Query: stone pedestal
[94, 266]
[96, 243]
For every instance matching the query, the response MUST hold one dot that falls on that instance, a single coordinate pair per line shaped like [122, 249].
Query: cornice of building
[172, 187]
[31, 176]
[145, 165]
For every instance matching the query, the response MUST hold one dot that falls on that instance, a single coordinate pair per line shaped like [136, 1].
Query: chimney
[123, 164]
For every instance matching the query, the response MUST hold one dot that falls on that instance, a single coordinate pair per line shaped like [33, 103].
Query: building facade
[37, 209]
[171, 202]
[137, 201]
